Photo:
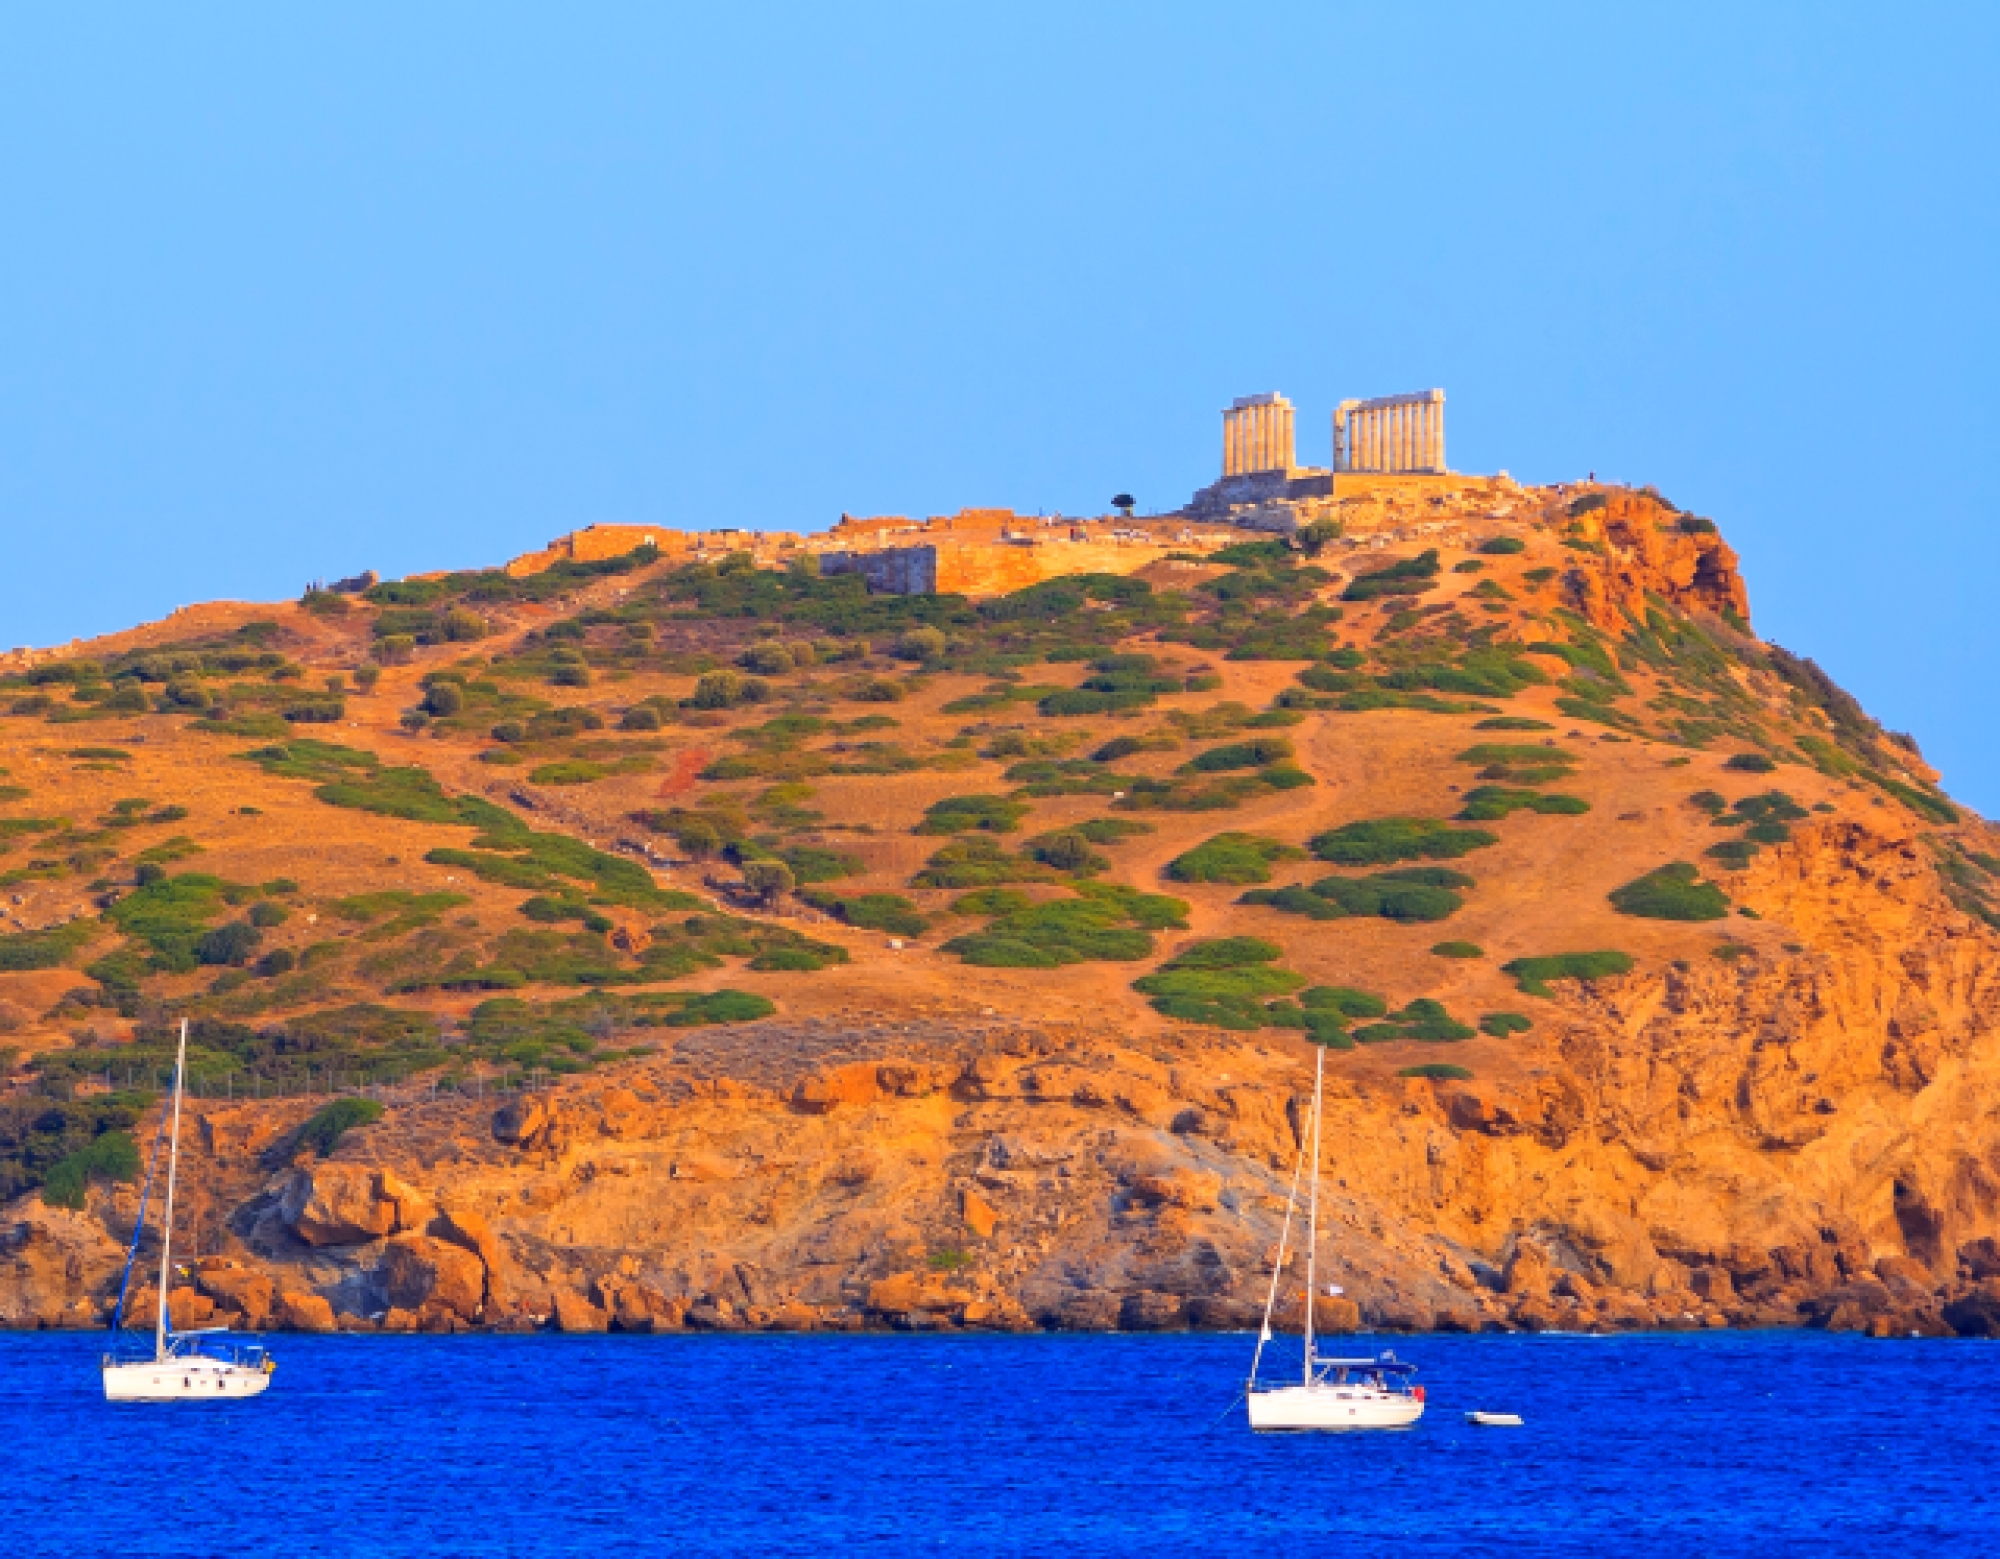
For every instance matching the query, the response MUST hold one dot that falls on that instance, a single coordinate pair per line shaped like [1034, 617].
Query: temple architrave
[1392, 433]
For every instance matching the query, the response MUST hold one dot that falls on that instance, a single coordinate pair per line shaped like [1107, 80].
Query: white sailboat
[1331, 1393]
[185, 1366]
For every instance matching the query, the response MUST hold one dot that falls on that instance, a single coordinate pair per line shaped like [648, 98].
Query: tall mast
[1312, 1225]
[167, 1226]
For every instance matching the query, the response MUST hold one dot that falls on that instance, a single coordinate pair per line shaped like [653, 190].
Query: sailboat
[193, 1365]
[1331, 1393]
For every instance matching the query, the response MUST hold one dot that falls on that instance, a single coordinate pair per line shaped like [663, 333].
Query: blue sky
[291, 296]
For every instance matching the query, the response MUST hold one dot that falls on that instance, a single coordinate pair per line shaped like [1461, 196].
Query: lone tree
[1124, 503]
[768, 880]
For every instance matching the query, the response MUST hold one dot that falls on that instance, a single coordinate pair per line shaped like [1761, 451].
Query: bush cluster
[1534, 974]
[1410, 576]
[1672, 892]
[1100, 924]
[1410, 894]
[1385, 840]
[1232, 858]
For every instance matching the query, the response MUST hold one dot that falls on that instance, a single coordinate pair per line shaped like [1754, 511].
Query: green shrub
[1534, 974]
[810, 864]
[1068, 852]
[228, 944]
[1383, 841]
[1491, 803]
[640, 717]
[1503, 546]
[111, 1155]
[1232, 858]
[1438, 1071]
[1226, 982]
[1260, 753]
[1507, 754]
[977, 863]
[1672, 892]
[1458, 950]
[1513, 723]
[570, 771]
[963, 814]
[890, 913]
[1343, 999]
[1750, 763]
[1735, 854]
[1410, 895]
[1424, 1020]
[49, 949]
[1502, 1024]
[1102, 924]
[322, 1133]
[1186, 793]
[1410, 576]
[987, 903]
[767, 659]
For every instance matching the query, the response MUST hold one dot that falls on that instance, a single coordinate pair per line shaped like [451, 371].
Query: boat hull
[182, 1380]
[1331, 1408]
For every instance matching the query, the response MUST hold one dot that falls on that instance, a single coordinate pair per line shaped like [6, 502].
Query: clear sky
[285, 296]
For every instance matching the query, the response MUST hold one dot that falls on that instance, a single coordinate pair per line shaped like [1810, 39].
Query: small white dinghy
[1495, 1420]
[185, 1366]
[1337, 1394]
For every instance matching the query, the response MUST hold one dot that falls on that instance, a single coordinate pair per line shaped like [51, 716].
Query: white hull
[1332, 1407]
[181, 1380]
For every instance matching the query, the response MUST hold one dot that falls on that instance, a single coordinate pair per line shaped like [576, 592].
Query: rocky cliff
[726, 948]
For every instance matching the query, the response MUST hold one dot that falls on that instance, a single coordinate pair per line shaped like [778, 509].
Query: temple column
[1440, 438]
[1435, 460]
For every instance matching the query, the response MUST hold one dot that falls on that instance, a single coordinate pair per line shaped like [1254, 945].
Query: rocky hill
[693, 940]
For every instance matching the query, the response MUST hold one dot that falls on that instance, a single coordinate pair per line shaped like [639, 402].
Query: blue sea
[1716, 1444]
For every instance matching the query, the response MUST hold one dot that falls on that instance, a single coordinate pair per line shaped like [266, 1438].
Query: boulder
[239, 1291]
[998, 1314]
[1195, 1190]
[1979, 1259]
[825, 1092]
[1713, 1284]
[301, 1312]
[1976, 1314]
[419, 1271]
[463, 1227]
[574, 1313]
[348, 1204]
[979, 1214]
[1891, 1269]
[1527, 1274]
[523, 1121]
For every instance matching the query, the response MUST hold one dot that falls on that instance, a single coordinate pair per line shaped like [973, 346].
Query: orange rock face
[1784, 1114]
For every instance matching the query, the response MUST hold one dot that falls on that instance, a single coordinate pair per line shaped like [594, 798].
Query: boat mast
[167, 1222]
[1312, 1224]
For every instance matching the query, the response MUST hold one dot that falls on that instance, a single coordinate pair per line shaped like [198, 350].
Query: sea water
[1713, 1445]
